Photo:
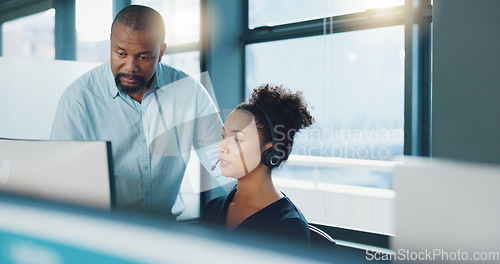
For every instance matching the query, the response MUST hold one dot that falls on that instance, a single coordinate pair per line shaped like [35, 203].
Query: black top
[280, 219]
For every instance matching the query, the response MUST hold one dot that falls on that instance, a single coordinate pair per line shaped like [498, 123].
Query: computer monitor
[78, 172]
[445, 206]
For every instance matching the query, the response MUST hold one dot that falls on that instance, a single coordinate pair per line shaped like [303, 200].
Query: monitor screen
[77, 172]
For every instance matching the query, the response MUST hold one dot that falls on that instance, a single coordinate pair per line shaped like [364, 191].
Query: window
[93, 26]
[30, 36]
[270, 13]
[188, 62]
[182, 19]
[356, 117]
[182, 32]
[353, 81]
[349, 58]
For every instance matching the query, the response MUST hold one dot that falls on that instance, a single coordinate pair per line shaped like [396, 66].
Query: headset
[271, 157]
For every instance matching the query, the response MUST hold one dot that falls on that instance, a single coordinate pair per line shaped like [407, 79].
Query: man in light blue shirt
[153, 115]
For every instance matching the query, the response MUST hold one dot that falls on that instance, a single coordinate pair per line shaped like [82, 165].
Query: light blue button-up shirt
[151, 141]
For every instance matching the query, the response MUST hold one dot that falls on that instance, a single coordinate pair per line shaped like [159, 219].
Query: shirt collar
[154, 83]
[113, 90]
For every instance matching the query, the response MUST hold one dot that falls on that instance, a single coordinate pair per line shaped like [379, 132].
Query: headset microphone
[215, 165]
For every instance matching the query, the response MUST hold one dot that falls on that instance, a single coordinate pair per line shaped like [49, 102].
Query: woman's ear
[266, 147]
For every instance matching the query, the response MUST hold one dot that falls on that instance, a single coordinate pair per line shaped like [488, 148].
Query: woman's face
[239, 150]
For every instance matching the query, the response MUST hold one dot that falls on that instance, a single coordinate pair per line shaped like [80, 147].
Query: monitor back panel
[66, 171]
[445, 205]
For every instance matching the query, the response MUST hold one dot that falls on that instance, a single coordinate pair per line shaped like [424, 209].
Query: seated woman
[257, 137]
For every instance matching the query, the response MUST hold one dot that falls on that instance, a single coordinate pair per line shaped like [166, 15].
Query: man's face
[134, 56]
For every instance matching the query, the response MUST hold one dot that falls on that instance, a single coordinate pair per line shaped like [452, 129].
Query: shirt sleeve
[68, 124]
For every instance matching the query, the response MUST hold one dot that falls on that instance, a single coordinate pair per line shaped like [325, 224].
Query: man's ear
[162, 51]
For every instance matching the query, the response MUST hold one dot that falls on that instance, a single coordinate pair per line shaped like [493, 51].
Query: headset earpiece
[271, 157]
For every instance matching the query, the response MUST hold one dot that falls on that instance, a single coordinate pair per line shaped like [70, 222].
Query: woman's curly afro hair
[287, 111]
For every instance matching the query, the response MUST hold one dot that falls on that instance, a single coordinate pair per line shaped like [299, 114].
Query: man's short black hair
[141, 18]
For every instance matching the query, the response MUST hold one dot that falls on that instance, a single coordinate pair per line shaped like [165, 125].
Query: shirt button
[146, 167]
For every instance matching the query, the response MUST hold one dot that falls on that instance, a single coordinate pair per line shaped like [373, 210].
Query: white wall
[29, 93]
[466, 80]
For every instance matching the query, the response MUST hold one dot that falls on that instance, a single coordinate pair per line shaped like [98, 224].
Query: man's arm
[68, 123]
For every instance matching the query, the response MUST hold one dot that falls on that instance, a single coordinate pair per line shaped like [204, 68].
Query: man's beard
[127, 88]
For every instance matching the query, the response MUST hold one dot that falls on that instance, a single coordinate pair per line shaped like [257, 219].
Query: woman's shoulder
[294, 225]
[288, 210]
[215, 207]
[292, 222]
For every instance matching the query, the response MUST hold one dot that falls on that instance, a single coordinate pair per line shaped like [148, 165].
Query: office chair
[320, 237]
